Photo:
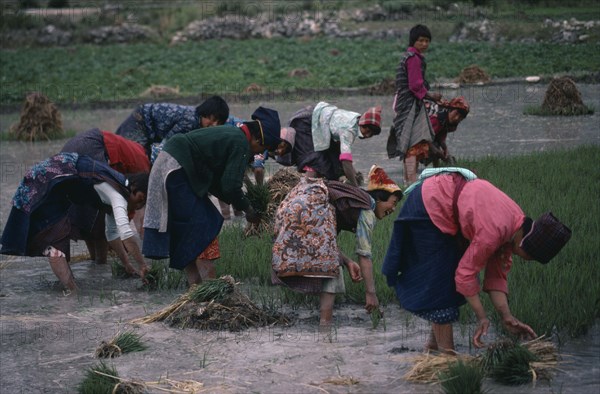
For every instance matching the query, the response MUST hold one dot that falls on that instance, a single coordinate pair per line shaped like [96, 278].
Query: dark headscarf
[546, 238]
[270, 126]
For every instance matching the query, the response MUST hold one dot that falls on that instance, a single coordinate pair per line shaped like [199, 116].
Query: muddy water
[47, 340]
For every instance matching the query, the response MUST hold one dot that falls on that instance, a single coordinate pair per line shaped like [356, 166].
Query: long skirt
[193, 223]
[420, 264]
[48, 225]
[305, 251]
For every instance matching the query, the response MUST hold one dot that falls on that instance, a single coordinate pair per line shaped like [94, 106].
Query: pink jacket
[488, 219]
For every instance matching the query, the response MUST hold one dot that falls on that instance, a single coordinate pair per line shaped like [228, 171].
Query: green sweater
[214, 160]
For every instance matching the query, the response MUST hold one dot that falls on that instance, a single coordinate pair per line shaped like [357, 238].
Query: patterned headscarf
[269, 126]
[460, 104]
[372, 116]
[379, 180]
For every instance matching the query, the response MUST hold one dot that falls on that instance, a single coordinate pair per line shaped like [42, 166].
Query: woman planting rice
[306, 256]
[39, 223]
[433, 275]
[181, 221]
[324, 135]
[122, 155]
[444, 118]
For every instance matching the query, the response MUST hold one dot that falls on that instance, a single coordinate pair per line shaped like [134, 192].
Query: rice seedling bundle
[161, 277]
[103, 379]
[532, 361]
[259, 196]
[124, 342]
[277, 188]
[513, 367]
[462, 378]
[214, 305]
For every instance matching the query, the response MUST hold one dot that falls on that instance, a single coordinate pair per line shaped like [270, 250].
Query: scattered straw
[428, 366]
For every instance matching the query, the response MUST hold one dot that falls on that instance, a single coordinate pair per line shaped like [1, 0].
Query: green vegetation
[462, 377]
[514, 369]
[89, 73]
[565, 295]
[99, 379]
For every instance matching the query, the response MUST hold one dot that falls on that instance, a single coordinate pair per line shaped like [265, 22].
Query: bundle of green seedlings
[158, 277]
[215, 305]
[462, 377]
[505, 361]
[259, 197]
[103, 379]
[123, 342]
[513, 364]
[266, 199]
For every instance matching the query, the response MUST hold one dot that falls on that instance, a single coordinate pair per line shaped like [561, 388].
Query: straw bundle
[563, 98]
[473, 74]
[427, 367]
[278, 185]
[40, 119]
[214, 305]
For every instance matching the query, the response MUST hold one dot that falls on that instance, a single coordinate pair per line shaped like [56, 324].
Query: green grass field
[89, 73]
[563, 296]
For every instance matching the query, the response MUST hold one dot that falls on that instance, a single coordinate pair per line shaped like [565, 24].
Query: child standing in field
[411, 125]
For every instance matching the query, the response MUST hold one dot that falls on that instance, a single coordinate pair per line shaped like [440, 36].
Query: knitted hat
[288, 134]
[379, 180]
[546, 238]
[372, 116]
[269, 126]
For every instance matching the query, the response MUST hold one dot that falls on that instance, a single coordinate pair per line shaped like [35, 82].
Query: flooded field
[47, 340]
